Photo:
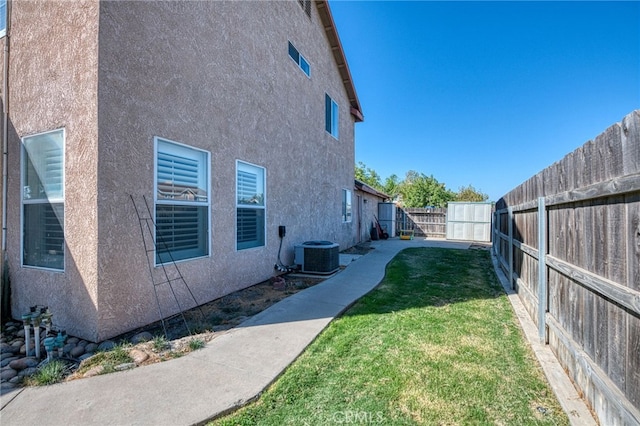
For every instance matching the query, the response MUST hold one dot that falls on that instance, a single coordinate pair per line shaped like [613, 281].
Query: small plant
[196, 343]
[52, 372]
[160, 343]
[107, 359]
[119, 354]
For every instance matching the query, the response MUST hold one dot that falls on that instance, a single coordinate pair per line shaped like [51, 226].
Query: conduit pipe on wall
[5, 129]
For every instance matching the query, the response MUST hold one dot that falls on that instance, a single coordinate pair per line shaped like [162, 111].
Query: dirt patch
[227, 312]
[207, 321]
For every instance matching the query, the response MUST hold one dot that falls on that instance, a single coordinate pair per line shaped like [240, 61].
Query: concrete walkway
[231, 370]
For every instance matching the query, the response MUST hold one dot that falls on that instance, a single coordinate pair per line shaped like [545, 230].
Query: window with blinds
[43, 200]
[250, 206]
[182, 202]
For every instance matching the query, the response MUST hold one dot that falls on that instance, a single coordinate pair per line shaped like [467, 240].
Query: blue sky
[486, 93]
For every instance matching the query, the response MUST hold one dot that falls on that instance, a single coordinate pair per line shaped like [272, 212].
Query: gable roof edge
[338, 53]
[360, 185]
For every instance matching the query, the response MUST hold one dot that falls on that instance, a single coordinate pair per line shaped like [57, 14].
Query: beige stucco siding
[52, 85]
[215, 76]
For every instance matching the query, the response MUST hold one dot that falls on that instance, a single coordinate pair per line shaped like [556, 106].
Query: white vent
[318, 257]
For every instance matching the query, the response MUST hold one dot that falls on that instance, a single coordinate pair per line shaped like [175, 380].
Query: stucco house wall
[366, 202]
[215, 76]
[52, 84]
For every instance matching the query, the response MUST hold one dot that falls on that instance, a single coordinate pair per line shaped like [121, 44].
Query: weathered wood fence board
[430, 222]
[569, 240]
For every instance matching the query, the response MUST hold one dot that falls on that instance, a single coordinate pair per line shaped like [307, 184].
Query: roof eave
[338, 53]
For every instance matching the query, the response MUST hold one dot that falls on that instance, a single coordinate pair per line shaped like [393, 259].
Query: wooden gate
[428, 222]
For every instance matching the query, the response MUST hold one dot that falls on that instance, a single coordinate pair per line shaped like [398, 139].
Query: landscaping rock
[138, 356]
[98, 369]
[85, 356]
[76, 352]
[6, 355]
[83, 343]
[28, 372]
[278, 283]
[144, 336]
[22, 363]
[16, 380]
[68, 347]
[6, 361]
[125, 366]
[8, 374]
[73, 340]
[7, 386]
[91, 347]
[107, 345]
[6, 347]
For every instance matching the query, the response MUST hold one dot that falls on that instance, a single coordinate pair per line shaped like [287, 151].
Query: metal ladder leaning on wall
[149, 233]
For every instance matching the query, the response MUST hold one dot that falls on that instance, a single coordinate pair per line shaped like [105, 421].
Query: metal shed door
[469, 221]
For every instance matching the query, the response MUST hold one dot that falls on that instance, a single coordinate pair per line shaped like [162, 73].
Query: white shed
[469, 221]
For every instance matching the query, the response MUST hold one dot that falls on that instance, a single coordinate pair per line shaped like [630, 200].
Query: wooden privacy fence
[426, 222]
[569, 241]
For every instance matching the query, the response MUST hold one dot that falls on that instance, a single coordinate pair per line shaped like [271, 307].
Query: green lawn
[435, 343]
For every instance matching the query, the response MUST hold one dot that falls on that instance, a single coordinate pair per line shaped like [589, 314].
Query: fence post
[510, 230]
[493, 233]
[542, 271]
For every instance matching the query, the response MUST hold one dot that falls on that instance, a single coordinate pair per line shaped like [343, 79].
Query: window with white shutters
[250, 206]
[43, 200]
[182, 202]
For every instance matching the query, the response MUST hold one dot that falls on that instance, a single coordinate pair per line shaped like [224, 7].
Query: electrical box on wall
[282, 231]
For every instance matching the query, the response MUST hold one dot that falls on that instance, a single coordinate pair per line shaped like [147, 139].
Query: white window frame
[331, 115]
[301, 59]
[28, 201]
[347, 206]
[3, 15]
[262, 207]
[157, 140]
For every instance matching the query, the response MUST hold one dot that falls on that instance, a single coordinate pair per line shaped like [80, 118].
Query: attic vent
[318, 257]
[306, 6]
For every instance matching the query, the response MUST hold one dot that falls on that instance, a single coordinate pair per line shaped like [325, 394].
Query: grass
[160, 343]
[50, 373]
[196, 343]
[436, 343]
[108, 360]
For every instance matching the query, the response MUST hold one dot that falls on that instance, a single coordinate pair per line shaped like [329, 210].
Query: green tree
[368, 176]
[420, 190]
[391, 186]
[469, 193]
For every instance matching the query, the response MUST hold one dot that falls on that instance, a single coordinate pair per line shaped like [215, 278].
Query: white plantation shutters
[182, 202]
[250, 206]
[43, 200]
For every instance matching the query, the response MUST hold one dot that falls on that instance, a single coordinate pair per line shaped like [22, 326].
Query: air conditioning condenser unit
[317, 257]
